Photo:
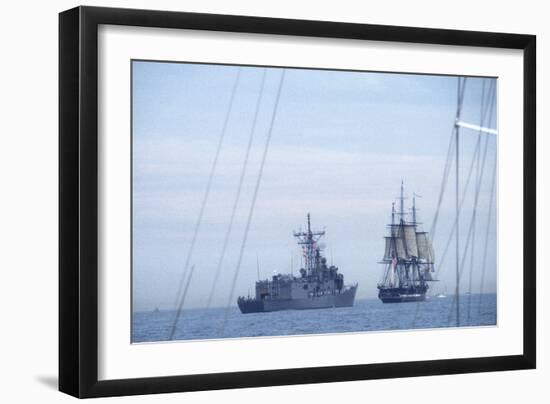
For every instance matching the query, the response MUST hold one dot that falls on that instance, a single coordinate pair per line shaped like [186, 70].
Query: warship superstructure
[318, 286]
[408, 259]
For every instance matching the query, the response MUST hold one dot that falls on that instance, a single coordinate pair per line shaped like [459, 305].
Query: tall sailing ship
[408, 259]
[318, 286]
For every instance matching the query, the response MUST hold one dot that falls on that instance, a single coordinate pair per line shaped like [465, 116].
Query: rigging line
[491, 199]
[455, 301]
[179, 297]
[470, 171]
[462, 262]
[178, 313]
[486, 104]
[484, 263]
[464, 192]
[444, 178]
[453, 229]
[460, 95]
[450, 156]
[472, 255]
[457, 186]
[253, 204]
[472, 223]
[448, 161]
[239, 189]
[446, 171]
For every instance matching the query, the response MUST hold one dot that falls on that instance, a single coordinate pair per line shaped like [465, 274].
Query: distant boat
[441, 295]
[156, 310]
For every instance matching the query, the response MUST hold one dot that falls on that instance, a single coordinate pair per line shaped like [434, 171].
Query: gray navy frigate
[318, 286]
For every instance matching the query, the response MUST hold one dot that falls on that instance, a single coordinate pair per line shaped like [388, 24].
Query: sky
[341, 143]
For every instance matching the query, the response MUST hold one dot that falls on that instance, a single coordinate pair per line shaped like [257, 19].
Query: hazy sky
[341, 143]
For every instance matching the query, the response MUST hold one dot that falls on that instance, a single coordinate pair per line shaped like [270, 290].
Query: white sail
[403, 243]
[427, 274]
[400, 248]
[397, 243]
[431, 251]
[388, 249]
[409, 234]
[424, 244]
[391, 275]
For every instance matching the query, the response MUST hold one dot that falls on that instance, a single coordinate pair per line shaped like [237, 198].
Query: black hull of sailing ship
[402, 295]
[319, 286]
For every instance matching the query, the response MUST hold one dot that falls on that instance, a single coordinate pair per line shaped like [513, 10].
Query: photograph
[276, 201]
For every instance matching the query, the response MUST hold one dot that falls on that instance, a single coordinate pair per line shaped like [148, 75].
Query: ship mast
[401, 199]
[414, 209]
[403, 264]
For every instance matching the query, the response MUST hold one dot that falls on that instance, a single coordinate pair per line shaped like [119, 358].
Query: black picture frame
[78, 200]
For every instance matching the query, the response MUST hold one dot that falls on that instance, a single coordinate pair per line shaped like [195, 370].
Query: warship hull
[344, 299]
[402, 295]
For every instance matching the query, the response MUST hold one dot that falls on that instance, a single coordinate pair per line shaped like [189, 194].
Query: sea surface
[365, 315]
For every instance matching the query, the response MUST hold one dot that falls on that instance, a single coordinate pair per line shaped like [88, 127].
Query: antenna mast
[308, 241]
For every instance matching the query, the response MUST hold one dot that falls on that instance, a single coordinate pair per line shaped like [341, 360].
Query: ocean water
[365, 315]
